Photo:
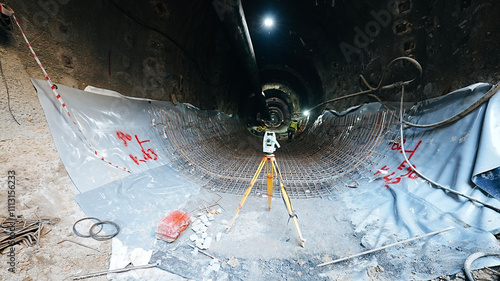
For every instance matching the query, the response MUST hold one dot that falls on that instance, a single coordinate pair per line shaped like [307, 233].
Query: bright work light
[268, 22]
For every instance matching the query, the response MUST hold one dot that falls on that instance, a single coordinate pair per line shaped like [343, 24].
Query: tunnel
[221, 56]
[212, 77]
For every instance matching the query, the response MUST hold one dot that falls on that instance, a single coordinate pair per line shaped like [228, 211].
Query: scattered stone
[195, 252]
[233, 262]
[374, 271]
[204, 219]
[210, 217]
[214, 265]
[199, 243]
[197, 226]
[218, 237]
[207, 243]
[368, 242]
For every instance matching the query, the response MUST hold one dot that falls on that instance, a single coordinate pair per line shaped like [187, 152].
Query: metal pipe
[231, 15]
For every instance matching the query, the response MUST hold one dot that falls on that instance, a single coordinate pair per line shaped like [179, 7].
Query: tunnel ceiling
[320, 47]
[290, 51]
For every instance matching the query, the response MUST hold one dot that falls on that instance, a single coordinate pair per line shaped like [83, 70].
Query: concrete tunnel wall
[153, 49]
[168, 50]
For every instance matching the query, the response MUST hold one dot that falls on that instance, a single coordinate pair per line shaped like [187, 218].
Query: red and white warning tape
[4, 9]
[7, 11]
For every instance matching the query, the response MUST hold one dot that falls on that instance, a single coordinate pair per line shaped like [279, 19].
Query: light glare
[268, 22]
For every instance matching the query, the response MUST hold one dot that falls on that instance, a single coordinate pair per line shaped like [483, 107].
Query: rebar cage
[217, 151]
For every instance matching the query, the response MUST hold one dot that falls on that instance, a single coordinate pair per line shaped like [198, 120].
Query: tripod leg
[288, 205]
[269, 169]
[292, 215]
[247, 192]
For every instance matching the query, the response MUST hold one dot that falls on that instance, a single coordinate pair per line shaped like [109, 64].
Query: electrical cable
[105, 236]
[197, 66]
[454, 118]
[379, 87]
[493, 90]
[82, 219]
[413, 61]
[8, 95]
[422, 175]
[470, 259]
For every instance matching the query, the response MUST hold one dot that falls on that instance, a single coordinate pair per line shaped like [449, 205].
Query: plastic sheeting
[451, 155]
[391, 204]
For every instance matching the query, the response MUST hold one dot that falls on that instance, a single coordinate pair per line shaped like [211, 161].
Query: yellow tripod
[271, 168]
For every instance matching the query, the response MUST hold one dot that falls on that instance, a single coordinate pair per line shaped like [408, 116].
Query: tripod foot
[302, 243]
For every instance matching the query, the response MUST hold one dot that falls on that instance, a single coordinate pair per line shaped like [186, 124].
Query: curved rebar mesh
[218, 152]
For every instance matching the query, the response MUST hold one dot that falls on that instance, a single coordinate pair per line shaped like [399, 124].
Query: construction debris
[171, 226]
[233, 262]
[93, 232]
[77, 243]
[387, 246]
[200, 227]
[115, 271]
[17, 230]
[205, 253]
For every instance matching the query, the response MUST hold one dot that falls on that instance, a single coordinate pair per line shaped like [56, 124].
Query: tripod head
[269, 142]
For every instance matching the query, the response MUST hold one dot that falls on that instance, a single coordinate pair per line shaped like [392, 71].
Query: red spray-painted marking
[53, 87]
[124, 137]
[147, 154]
[395, 177]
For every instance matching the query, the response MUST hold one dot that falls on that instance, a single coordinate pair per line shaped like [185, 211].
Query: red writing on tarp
[403, 170]
[147, 154]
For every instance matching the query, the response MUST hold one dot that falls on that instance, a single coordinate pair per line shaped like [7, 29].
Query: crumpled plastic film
[447, 155]
[117, 127]
[486, 170]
